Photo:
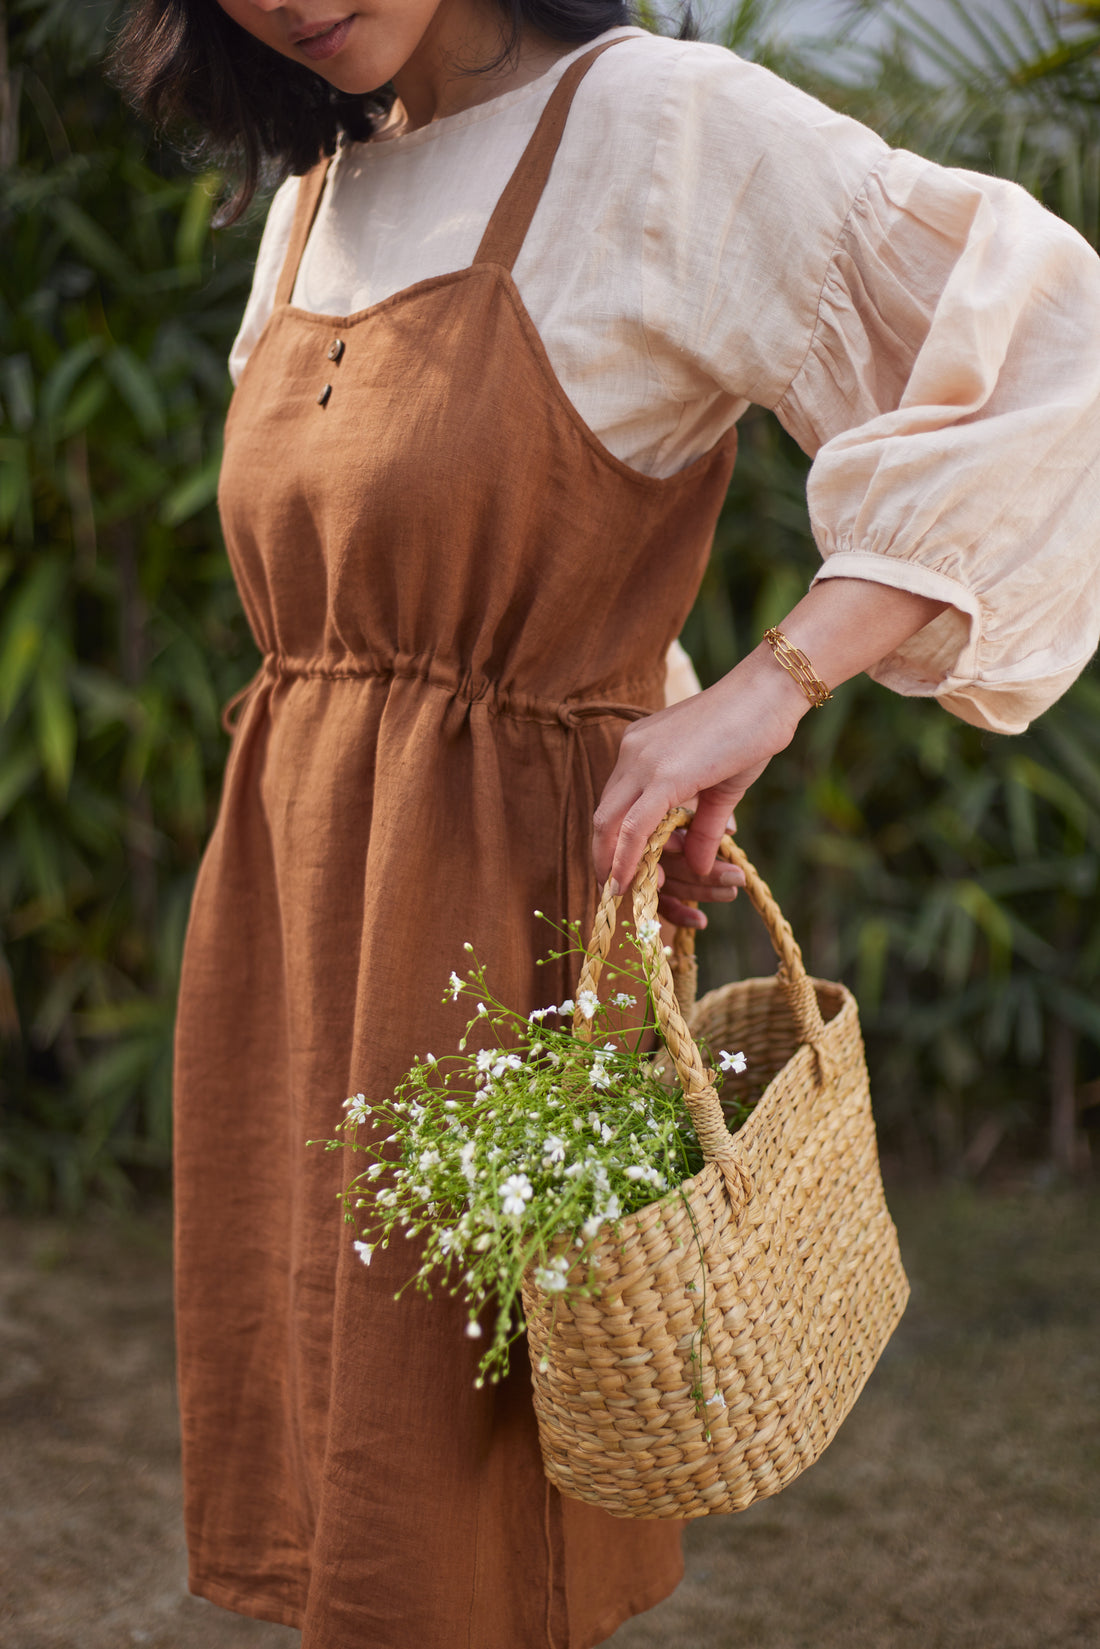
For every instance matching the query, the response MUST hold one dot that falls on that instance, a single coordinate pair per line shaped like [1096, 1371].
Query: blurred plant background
[951, 876]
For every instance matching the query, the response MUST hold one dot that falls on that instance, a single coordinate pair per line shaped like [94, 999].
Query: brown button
[335, 349]
[322, 399]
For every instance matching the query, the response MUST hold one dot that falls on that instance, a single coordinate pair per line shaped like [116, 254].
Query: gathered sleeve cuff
[950, 397]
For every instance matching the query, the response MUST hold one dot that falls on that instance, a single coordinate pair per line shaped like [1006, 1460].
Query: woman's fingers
[678, 881]
[681, 915]
[621, 827]
[711, 747]
[709, 825]
[635, 828]
[630, 812]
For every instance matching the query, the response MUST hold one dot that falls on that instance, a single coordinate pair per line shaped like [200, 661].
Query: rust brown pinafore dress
[457, 590]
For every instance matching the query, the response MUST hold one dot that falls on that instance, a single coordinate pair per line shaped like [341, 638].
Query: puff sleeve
[950, 396]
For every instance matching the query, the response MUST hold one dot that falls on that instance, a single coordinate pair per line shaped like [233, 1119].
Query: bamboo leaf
[24, 631]
[1078, 1010]
[62, 377]
[17, 384]
[193, 493]
[138, 388]
[18, 771]
[194, 223]
[15, 491]
[54, 720]
[92, 242]
[86, 403]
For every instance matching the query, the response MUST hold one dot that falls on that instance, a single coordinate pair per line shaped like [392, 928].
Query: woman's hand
[705, 751]
[708, 750]
[679, 883]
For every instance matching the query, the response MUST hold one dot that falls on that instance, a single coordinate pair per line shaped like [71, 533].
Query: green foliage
[120, 633]
[1013, 91]
[952, 876]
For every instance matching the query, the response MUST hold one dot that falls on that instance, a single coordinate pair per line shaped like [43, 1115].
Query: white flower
[517, 1192]
[430, 1059]
[485, 1059]
[649, 930]
[365, 1250]
[588, 1002]
[717, 1401]
[621, 1000]
[567, 1006]
[473, 1329]
[357, 1108]
[648, 1174]
[509, 1062]
[482, 1010]
[599, 1077]
[538, 1013]
[733, 1062]
[455, 986]
[376, 1170]
[552, 1277]
[554, 1148]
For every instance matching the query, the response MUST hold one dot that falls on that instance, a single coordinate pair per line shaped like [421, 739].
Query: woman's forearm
[712, 747]
[847, 625]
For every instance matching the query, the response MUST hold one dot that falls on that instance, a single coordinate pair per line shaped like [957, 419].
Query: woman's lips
[320, 46]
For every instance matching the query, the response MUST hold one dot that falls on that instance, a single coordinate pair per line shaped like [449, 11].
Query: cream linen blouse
[711, 237]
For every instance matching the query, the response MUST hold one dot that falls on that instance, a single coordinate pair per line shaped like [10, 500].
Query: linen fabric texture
[712, 237]
[464, 571]
[460, 596]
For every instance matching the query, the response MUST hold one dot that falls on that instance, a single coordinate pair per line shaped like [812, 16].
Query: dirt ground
[959, 1508]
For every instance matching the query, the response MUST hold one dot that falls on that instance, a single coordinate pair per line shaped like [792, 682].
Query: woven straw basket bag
[734, 1321]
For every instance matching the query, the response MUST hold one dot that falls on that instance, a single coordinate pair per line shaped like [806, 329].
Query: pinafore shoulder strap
[310, 190]
[511, 219]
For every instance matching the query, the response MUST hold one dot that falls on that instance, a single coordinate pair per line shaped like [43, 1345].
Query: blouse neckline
[446, 125]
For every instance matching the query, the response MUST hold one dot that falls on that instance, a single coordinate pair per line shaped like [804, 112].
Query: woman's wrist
[847, 625]
[841, 627]
[760, 685]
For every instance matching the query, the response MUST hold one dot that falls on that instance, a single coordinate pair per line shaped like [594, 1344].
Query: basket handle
[700, 1095]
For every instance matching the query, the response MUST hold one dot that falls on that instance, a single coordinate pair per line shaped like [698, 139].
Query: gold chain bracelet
[798, 665]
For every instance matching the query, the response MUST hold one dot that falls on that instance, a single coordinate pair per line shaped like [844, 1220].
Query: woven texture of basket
[735, 1320]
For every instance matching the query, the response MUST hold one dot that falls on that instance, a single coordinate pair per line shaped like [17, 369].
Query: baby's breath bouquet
[498, 1155]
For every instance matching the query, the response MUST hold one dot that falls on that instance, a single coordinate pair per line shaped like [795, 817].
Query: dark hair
[186, 64]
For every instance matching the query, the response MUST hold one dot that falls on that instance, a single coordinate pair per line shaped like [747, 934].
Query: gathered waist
[613, 699]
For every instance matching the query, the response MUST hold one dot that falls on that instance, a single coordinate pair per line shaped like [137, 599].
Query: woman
[488, 384]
